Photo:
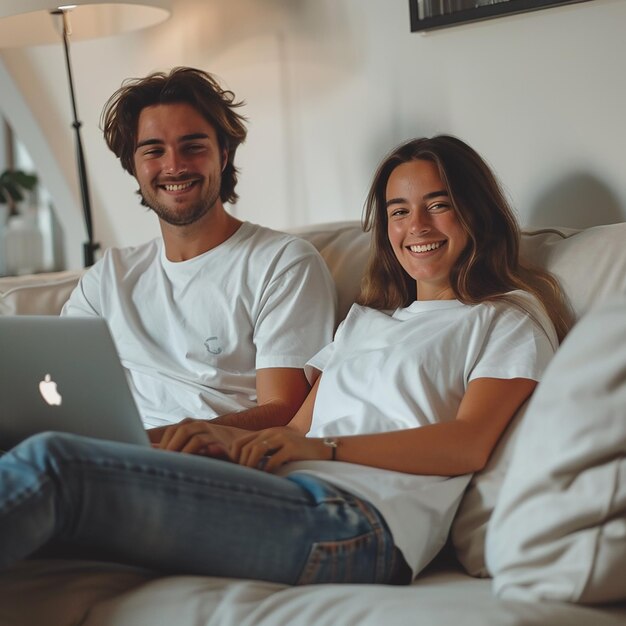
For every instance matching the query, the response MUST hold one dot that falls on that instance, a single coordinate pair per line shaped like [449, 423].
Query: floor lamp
[33, 22]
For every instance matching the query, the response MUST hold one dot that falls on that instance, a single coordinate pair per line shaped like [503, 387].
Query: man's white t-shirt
[192, 334]
[392, 371]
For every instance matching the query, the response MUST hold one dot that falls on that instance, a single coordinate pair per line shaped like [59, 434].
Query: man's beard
[183, 217]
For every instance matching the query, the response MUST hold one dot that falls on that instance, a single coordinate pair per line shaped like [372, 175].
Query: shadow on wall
[578, 201]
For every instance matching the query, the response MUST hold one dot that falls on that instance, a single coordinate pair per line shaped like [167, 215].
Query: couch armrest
[36, 294]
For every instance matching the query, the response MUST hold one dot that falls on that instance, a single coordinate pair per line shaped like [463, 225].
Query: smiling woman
[440, 193]
[424, 230]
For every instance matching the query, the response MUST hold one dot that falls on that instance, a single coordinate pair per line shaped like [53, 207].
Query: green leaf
[13, 183]
[26, 181]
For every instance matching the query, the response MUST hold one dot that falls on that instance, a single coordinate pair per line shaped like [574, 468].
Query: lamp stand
[89, 247]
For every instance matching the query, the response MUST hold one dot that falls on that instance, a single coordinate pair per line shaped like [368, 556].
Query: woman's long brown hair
[489, 266]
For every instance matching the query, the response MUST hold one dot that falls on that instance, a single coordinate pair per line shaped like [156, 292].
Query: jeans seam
[313, 565]
[24, 494]
[199, 481]
[384, 544]
[384, 550]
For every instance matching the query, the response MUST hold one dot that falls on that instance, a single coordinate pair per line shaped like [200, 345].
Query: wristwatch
[332, 442]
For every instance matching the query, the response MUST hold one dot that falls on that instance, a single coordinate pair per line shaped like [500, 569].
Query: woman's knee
[41, 448]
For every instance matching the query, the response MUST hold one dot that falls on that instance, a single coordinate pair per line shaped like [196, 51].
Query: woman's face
[423, 228]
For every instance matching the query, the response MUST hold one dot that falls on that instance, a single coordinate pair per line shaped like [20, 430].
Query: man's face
[178, 162]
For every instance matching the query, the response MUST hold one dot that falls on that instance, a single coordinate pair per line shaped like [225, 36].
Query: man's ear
[224, 159]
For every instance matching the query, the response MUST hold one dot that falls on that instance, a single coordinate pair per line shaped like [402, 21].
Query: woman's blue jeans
[180, 513]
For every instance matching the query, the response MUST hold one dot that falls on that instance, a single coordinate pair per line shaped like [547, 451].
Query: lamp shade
[28, 22]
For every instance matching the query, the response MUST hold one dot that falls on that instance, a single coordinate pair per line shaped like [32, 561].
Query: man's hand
[195, 436]
[155, 434]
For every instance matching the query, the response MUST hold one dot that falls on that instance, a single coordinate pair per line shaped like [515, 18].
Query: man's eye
[195, 147]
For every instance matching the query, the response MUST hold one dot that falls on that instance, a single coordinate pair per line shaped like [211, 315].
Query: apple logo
[48, 391]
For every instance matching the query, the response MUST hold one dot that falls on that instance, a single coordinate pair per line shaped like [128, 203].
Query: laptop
[63, 374]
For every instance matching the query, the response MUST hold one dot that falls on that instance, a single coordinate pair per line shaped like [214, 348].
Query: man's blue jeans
[186, 514]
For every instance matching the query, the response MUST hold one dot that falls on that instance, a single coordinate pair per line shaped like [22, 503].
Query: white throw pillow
[558, 531]
[469, 528]
[345, 248]
[589, 283]
[586, 286]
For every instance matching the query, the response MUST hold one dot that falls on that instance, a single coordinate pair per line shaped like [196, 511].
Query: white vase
[22, 244]
[4, 213]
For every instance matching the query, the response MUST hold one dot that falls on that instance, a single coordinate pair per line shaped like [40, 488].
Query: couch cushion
[60, 592]
[590, 264]
[37, 294]
[559, 528]
[65, 593]
[345, 248]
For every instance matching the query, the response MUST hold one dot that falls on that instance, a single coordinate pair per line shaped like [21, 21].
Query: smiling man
[208, 319]
[178, 163]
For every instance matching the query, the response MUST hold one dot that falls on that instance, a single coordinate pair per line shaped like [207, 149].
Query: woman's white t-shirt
[392, 371]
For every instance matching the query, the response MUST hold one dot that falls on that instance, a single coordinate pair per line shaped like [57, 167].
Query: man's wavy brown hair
[182, 85]
[489, 266]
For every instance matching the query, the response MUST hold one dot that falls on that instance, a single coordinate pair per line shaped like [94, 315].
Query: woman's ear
[224, 159]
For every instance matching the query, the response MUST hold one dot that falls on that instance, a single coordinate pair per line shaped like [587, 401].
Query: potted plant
[20, 238]
[13, 184]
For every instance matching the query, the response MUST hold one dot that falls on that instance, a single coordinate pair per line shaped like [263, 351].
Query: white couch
[591, 265]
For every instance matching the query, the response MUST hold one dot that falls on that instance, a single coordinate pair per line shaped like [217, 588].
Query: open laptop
[63, 374]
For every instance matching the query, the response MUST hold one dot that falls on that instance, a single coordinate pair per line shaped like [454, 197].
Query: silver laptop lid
[63, 374]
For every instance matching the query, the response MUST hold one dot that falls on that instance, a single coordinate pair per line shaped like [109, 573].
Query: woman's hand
[195, 436]
[271, 448]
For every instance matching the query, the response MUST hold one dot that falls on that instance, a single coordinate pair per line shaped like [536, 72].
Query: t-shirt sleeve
[297, 312]
[84, 301]
[318, 362]
[519, 344]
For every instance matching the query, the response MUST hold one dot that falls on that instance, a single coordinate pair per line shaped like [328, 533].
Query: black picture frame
[433, 14]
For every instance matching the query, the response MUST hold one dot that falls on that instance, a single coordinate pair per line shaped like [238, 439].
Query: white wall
[331, 85]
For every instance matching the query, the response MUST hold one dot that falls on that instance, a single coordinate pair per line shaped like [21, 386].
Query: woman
[451, 336]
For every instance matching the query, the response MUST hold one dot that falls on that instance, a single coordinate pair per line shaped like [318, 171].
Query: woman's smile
[423, 227]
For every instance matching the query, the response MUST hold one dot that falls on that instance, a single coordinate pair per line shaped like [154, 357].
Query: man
[216, 319]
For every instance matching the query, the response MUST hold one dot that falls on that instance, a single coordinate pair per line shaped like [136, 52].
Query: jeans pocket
[351, 560]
